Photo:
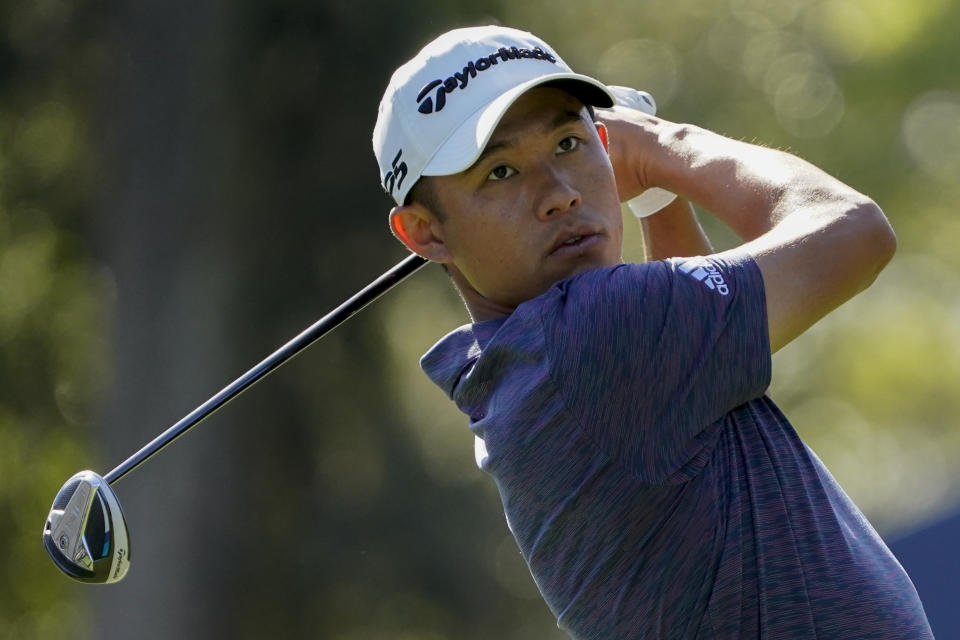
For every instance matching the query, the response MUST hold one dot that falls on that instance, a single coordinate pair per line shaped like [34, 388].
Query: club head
[86, 533]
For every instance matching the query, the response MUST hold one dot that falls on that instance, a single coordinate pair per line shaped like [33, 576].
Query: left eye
[568, 144]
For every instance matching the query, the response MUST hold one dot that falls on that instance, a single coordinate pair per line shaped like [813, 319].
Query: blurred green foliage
[54, 303]
[411, 542]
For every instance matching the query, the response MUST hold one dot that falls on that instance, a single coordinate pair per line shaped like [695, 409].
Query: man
[652, 487]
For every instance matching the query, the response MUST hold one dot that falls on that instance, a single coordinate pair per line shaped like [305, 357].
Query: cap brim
[459, 151]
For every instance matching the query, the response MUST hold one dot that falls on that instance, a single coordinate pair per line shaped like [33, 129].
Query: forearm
[817, 241]
[673, 232]
[750, 188]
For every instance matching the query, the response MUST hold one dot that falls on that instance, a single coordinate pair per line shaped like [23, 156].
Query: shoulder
[480, 344]
[713, 272]
[446, 360]
[651, 310]
[591, 285]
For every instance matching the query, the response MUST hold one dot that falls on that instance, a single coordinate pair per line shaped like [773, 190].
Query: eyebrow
[561, 119]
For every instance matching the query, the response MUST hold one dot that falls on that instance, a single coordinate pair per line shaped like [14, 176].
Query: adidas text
[708, 274]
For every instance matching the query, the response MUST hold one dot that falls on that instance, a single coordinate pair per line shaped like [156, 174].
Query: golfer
[653, 488]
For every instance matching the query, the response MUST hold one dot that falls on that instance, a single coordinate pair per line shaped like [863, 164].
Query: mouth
[575, 242]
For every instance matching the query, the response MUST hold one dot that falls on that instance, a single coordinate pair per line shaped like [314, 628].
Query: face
[540, 204]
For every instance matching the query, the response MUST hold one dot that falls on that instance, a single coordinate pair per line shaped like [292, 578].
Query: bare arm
[818, 242]
[674, 232]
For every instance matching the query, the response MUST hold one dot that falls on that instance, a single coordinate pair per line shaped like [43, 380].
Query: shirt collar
[448, 360]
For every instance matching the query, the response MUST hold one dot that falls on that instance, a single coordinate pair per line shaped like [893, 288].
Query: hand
[633, 142]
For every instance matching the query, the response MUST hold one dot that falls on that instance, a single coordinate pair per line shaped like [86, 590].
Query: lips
[572, 238]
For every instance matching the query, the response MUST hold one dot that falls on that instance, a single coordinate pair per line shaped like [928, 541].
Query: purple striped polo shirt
[653, 488]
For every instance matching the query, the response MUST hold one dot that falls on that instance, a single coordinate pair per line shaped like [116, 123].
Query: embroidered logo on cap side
[396, 175]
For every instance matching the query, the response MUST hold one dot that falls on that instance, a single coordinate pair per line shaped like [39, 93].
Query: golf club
[86, 534]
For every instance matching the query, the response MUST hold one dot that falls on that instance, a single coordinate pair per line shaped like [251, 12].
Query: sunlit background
[184, 186]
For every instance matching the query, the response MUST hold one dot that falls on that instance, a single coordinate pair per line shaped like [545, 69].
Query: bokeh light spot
[765, 14]
[808, 104]
[806, 99]
[643, 64]
[931, 134]
[767, 48]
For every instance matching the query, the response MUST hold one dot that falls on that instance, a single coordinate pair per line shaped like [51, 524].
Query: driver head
[86, 534]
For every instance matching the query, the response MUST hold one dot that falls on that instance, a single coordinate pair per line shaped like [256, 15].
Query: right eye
[501, 172]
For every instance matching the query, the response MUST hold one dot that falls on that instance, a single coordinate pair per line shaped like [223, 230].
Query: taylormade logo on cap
[441, 107]
[460, 79]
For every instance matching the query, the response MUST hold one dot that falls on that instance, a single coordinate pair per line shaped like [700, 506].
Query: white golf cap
[441, 107]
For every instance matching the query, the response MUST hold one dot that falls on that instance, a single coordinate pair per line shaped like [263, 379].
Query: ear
[602, 131]
[415, 226]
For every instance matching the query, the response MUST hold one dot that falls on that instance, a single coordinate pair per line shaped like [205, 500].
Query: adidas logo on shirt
[706, 273]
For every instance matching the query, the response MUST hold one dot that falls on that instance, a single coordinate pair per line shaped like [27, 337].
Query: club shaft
[311, 334]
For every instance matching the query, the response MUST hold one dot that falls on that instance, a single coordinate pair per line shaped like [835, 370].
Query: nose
[557, 194]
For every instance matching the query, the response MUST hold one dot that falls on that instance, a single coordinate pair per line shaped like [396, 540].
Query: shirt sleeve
[648, 356]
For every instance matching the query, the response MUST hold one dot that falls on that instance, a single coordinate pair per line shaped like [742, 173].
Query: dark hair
[423, 193]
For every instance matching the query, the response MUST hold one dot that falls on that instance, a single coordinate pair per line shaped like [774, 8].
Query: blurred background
[184, 186]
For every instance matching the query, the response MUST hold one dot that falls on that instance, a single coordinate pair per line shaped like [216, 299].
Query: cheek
[473, 238]
[603, 168]
[489, 248]
[601, 183]
[494, 245]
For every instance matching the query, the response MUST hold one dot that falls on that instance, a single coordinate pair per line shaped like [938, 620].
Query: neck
[479, 307]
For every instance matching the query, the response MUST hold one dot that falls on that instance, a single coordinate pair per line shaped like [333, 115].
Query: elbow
[878, 242]
[882, 237]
